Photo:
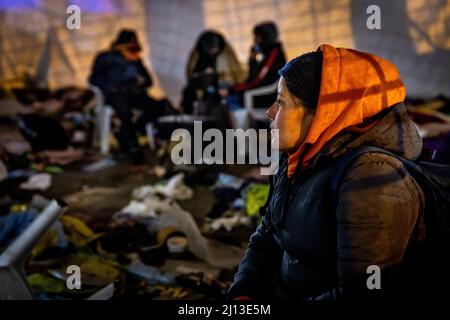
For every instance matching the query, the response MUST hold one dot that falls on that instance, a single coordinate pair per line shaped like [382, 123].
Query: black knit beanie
[208, 40]
[302, 76]
[127, 36]
[267, 31]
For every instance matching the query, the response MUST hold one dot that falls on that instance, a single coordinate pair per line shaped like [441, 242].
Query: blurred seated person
[45, 122]
[124, 80]
[212, 64]
[266, 58]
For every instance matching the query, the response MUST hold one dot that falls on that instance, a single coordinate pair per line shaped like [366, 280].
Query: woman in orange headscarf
[316, 242]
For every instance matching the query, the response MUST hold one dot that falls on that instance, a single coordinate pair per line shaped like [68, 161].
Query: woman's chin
[275, 140]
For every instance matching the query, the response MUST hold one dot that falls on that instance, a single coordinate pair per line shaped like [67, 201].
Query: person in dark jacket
[314, 244]
[266, 58]
[124, 80]
[212, 64]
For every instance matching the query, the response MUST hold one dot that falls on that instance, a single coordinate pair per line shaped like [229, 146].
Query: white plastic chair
[258, 114]
[150, 131]
[239, 119]
[103, 116]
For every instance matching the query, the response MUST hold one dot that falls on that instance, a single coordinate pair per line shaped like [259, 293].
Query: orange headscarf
[355, 86]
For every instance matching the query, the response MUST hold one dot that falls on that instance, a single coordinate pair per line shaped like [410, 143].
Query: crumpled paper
[174, 189]
[39, 181]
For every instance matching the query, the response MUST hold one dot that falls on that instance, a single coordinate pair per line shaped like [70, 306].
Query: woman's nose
[271, 112]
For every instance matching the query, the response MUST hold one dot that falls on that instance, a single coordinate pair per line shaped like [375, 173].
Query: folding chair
[13, 281]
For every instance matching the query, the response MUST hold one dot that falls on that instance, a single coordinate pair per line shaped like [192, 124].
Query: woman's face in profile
[290, 117]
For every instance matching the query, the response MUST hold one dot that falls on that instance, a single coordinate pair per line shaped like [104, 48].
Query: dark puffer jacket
[308, 247]
[112, 73]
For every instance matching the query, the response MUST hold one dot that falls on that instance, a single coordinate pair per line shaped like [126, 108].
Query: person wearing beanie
[266, 57]
[317, 242]
[123, 79]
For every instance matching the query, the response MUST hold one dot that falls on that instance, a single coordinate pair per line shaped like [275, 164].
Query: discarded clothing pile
[237, 203]
[152, 248]
[157, 207]
[433, 120]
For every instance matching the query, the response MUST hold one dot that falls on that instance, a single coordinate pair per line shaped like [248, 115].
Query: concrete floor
[95, 197]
